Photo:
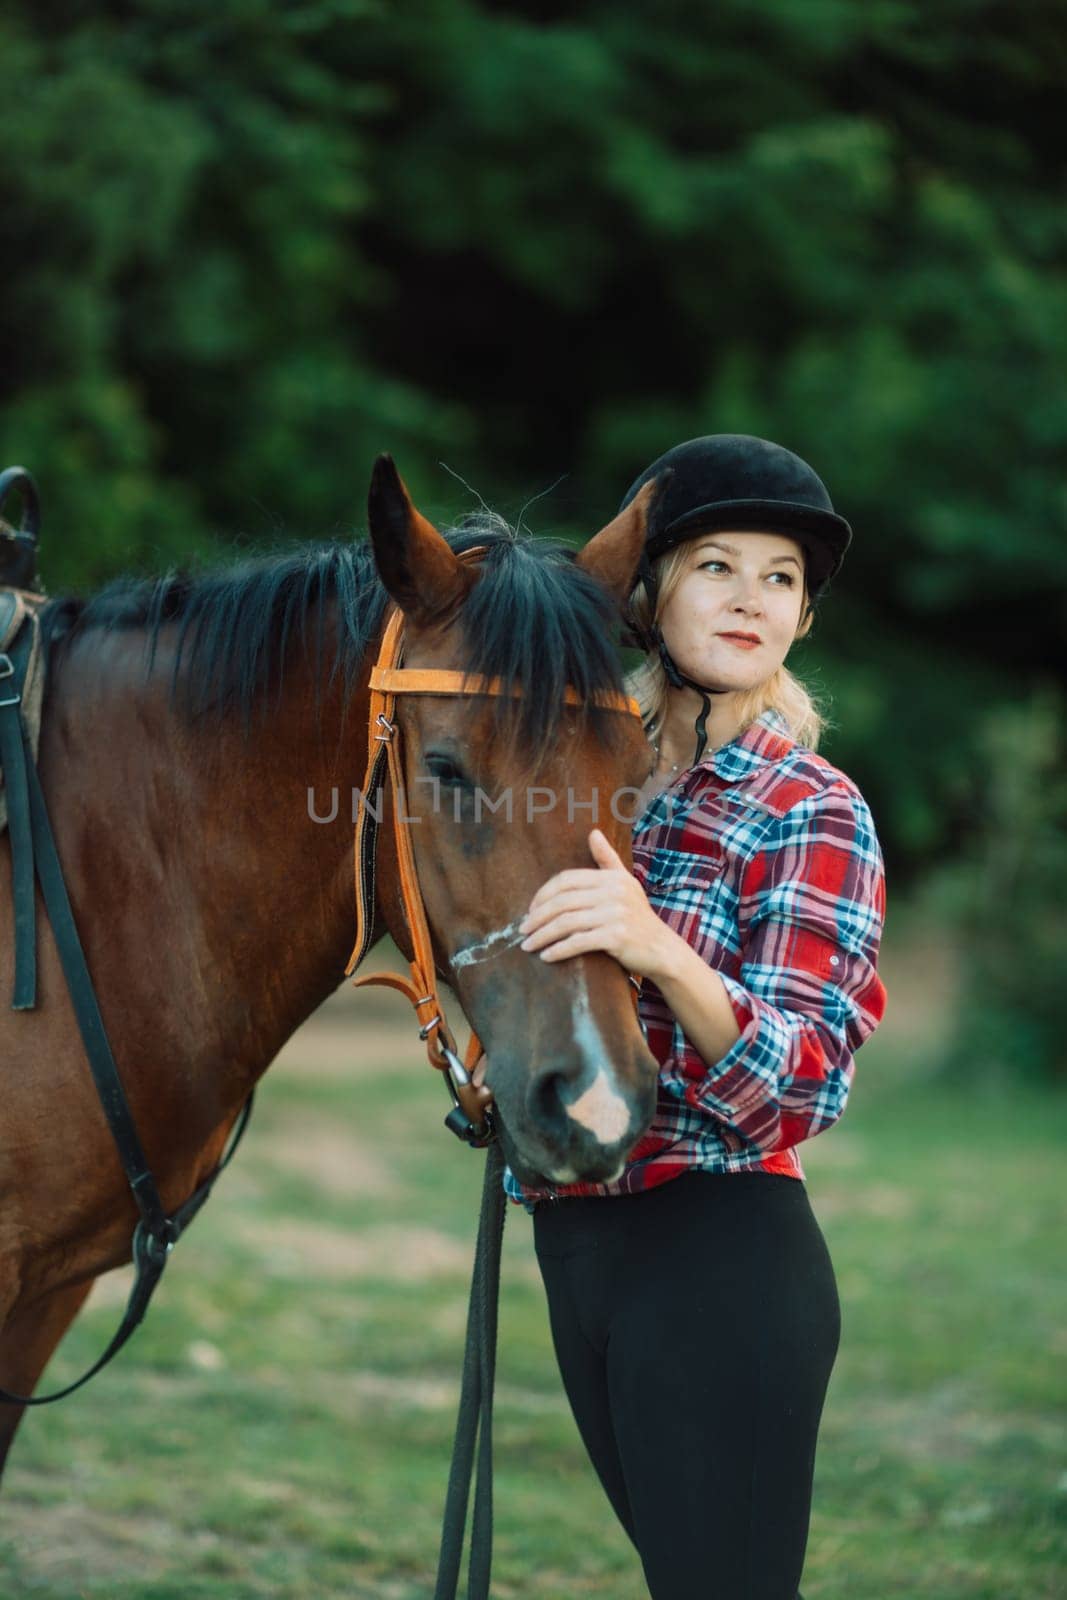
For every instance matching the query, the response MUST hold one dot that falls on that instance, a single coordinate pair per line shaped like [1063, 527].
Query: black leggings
[696, 1325]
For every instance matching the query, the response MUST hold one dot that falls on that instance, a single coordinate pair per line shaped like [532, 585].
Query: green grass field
[282, 1424]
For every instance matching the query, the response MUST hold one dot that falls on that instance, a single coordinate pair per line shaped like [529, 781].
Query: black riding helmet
[736, 481]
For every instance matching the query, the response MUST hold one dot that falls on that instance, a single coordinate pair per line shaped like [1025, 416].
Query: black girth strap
[156, 1233]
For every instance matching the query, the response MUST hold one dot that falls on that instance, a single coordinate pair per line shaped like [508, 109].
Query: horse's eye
[445, 769]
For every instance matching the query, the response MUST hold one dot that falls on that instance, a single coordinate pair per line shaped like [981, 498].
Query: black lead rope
[476, 1403]
[156, 1233]
[479, 1357]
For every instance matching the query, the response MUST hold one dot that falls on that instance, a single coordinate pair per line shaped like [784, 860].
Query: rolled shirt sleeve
[812, 909]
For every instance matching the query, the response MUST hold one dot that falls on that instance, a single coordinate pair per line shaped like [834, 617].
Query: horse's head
[503, 790]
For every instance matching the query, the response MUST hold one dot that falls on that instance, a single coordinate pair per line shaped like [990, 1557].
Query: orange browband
[427, 680]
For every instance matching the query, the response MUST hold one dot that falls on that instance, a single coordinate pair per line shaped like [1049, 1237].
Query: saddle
[21, 695]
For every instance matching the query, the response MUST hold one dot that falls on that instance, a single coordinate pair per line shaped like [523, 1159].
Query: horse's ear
[417, 566]
[611, 556]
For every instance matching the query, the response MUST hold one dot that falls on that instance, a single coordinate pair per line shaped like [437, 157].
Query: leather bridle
[387, 680]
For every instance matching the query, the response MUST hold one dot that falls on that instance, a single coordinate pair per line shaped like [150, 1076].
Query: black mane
[535, 620]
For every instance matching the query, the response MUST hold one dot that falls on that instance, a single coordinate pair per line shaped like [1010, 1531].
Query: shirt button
[835, 961]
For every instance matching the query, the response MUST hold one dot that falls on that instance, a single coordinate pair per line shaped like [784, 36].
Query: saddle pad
[33, 688]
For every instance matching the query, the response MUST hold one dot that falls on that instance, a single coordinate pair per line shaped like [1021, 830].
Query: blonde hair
[783, 691]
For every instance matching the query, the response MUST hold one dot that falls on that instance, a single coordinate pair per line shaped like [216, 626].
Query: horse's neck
[206, 888]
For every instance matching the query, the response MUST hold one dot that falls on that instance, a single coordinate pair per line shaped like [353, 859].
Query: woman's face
[747, 583]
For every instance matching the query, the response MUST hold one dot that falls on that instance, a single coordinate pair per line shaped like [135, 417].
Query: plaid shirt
[764, 857]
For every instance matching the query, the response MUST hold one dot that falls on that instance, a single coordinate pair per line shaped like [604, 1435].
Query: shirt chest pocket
[685, 892]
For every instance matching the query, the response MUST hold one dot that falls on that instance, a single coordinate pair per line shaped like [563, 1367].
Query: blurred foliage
[1004, 900]
[248, 245]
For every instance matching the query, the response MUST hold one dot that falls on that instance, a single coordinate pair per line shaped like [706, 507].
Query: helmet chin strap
[678, 680]
[653, 638]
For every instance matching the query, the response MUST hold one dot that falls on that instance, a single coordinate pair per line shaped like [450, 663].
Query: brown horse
[187, 726]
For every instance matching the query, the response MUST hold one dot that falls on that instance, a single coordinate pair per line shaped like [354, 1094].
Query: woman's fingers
[564, 922]
[577, 944]
[573, 878]
[597, 901]
[579, 911]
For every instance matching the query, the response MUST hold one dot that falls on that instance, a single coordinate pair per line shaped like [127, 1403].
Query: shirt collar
[765, 740]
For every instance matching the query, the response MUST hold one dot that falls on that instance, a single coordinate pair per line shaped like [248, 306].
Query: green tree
[249, 246]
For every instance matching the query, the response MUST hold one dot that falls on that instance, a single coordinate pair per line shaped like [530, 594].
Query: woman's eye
[788, 576]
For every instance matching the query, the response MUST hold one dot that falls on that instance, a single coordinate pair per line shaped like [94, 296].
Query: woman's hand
[597, 908]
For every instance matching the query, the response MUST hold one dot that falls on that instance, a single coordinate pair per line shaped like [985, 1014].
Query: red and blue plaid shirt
[765, 859]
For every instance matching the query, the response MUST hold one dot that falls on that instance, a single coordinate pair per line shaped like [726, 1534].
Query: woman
[693, 1303]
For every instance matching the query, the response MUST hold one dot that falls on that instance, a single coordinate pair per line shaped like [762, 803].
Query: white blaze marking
[482, 951]
[601, 1108]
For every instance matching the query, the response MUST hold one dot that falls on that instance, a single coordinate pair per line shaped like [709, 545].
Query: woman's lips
[740, 640]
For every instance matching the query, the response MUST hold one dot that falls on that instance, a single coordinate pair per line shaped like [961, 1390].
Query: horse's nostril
[545, 1100]
[565, 1106]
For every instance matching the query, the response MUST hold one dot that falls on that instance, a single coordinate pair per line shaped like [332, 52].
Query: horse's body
[216, 916]
[212, 926]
